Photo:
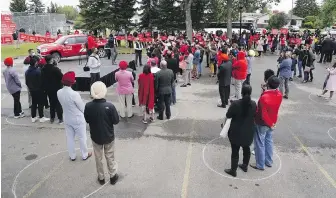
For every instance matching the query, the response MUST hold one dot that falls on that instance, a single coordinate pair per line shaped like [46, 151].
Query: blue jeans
[173, 95]
[199, 68]
[300, 67]
[263, 146]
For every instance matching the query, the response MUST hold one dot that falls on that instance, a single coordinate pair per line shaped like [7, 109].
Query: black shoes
[159, 118]
[183, 86]
[255, 167]
[221, 106]
[286, 97]
[52, 120]
[243, 167]
[188, 84]
[231, 172]
[114, 179]
[101, 182]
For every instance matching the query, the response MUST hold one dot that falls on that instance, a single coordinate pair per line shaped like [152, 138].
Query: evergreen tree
[96, 14]
[36, 6]
[149, 13]
[305, 8]
[171, 16]
[18, 6]
[123, 12]
[197, 13]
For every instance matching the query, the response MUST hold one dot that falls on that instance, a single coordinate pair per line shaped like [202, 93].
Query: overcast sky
[284, 5]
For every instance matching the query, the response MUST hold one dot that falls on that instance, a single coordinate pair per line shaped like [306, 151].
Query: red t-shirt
[282, 41]
[91, 42]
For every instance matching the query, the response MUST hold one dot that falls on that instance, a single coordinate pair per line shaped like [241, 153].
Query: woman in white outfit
[330, 82]
[73, 114]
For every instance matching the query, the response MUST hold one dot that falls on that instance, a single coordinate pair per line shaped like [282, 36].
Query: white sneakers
[44, 119]
[21, 115]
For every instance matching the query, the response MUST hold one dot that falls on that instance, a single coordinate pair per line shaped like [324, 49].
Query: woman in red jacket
[146, 93]
[239, 73]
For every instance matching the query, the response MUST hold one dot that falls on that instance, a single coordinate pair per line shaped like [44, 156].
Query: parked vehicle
[69, 46]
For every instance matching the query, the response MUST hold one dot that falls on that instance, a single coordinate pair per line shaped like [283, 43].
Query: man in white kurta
[73, 114]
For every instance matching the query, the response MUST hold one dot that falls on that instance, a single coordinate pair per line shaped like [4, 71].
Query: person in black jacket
[52, 82]
[173, 64]
[224, 80]
[241, 131]
[34, 84]
[101, 116]
[327, 50]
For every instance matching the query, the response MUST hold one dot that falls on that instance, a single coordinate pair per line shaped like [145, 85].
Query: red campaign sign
[274, 31]
[4, 25]
[12, 25]
[6, 17]
[6, 39]
[41, 39]
[163, 38]
[140, 35]
[32, 38]
[23, 36]
[149, 40]
[148, 34]
[51, 40]
[142, 39]
[47, 34]
[130, 38]
[283, 30]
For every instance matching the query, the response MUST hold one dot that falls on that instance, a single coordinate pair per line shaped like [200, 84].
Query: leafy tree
[52, 8]
[170, 15]
[70, 12]
[149, 13]
[277, 20]
[79, 24]
[328, 13]
[305, 8]
[36, 6]
[18, 6]
[197, 13]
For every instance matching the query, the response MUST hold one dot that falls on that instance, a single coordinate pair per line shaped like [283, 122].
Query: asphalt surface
[182, 157]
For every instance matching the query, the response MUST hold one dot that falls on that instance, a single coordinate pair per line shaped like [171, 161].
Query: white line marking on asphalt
[330, 134]
[229, 177]
[34, 162]
[309, 97]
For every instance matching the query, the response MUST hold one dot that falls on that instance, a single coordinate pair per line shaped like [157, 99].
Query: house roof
[294, 17]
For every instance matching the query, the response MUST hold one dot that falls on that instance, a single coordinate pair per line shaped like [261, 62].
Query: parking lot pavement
[182, 157]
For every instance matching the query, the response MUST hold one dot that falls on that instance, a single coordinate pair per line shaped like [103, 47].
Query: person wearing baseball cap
[14, 86]
[73, 114]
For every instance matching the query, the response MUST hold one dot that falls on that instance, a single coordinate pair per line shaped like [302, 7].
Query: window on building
[265, 21]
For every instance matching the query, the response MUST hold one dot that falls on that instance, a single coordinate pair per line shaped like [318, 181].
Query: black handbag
[86, 68]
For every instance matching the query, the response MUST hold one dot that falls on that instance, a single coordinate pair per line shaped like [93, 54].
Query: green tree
[197, 13]
[170, 15]
[18, 6]
[328, 13]
[277, 20]
[70, 12]
[305, 8]
[79, 24]
[36, 6]
[148, 13]
[96, 14]
[52, 8]
[123, 12]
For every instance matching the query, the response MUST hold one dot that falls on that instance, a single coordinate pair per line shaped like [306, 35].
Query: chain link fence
[40, 22]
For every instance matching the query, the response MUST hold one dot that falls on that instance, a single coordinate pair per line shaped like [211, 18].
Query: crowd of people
[229, 60]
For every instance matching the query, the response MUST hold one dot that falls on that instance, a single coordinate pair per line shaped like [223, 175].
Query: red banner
[51, 40]
[23, 36]
[149, 40]
[31, 38]
[142, 39]
[6, 39]
[6, 17]
[130, 38]
[274, 31]
[148, 34]
[41, 39]
[163, 38]
[283, 30]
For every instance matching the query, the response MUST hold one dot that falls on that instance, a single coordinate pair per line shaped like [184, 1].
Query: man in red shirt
[91, 43]
[266, 119]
